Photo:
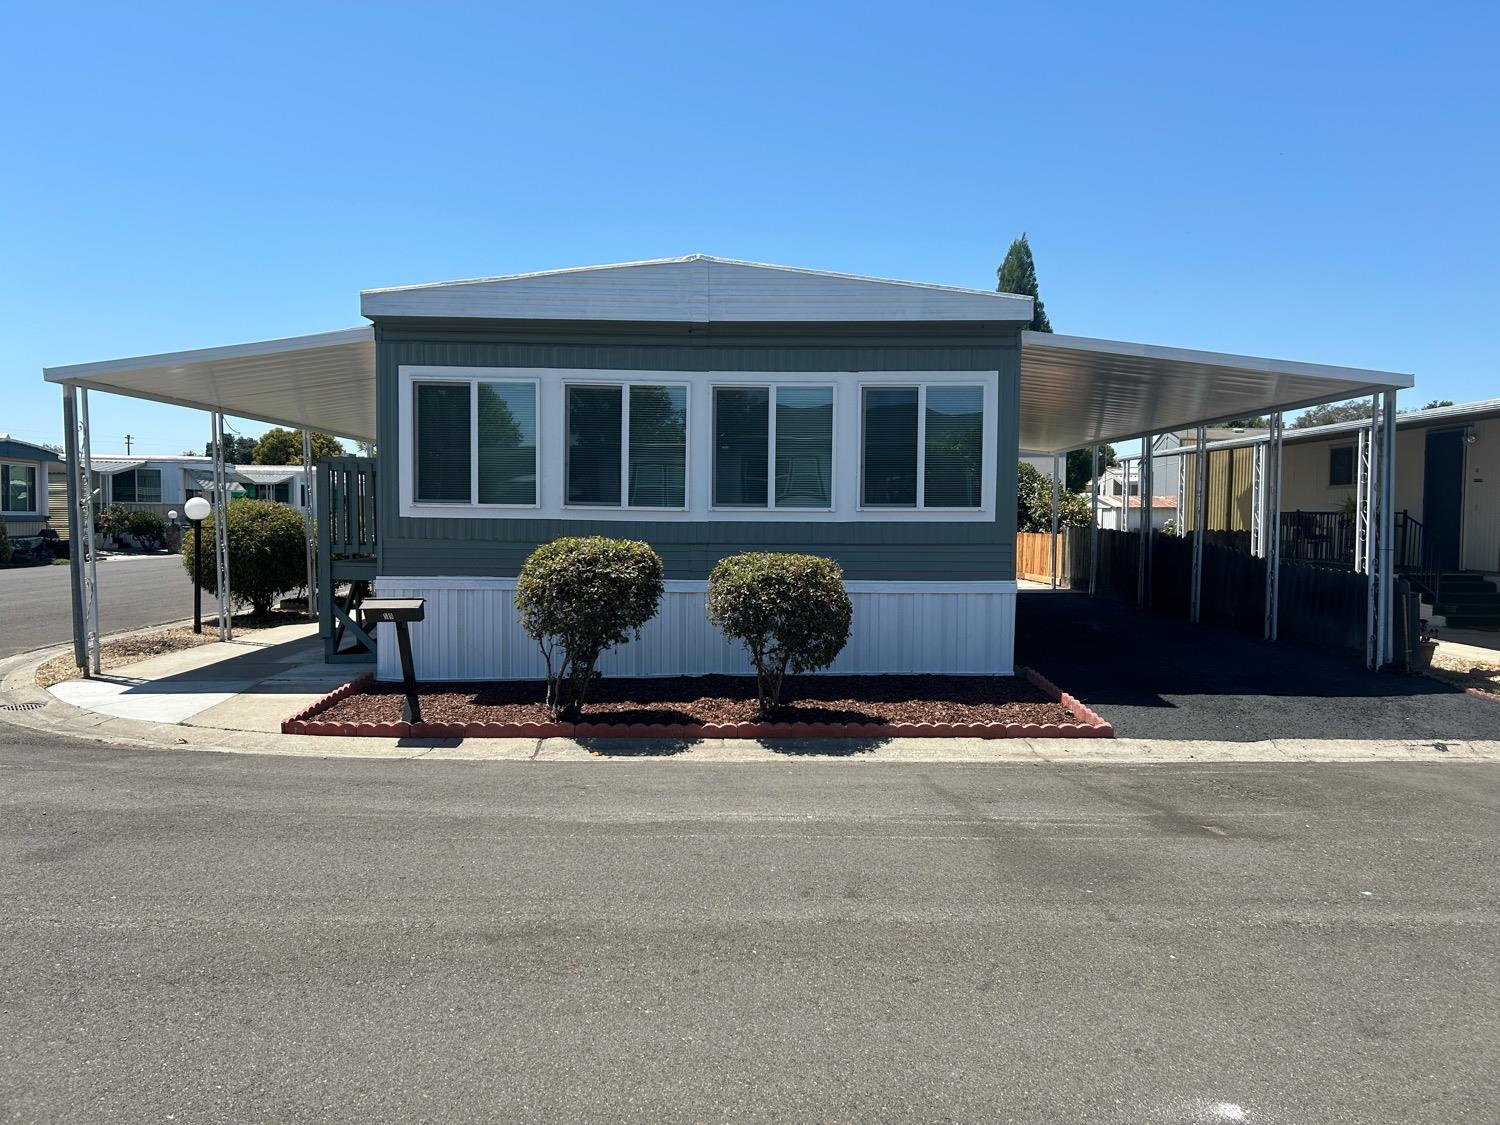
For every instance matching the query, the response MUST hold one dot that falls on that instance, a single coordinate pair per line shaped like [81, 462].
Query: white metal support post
[1273, 525]
[1147, 490]
[1367, 504]
[1258, 502]
[75, 555]
[1094, 527]
[1387, 531]
[1200, 517]
[86, 513]
[221, 530]
[307, 518]
[1056, 486]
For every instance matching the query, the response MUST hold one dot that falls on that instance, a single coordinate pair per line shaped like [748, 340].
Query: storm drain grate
[21, 706]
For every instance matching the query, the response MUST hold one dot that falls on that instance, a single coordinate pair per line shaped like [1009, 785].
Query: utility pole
[128, 440]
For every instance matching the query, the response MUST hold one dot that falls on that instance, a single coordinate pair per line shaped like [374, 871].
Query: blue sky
[1307, 181]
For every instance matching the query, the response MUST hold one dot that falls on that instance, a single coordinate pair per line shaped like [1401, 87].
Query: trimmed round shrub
[790, 611]
[267, 553]
[580, 597]
[148, 529]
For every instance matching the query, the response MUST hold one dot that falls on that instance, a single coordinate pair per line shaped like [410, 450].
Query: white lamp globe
[172, 515]
[196, 509]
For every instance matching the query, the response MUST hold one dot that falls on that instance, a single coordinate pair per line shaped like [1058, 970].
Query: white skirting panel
[471, 632]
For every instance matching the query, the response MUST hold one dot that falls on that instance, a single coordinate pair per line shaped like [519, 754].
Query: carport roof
[1075, 391]
[325, 382]
[1078, 392]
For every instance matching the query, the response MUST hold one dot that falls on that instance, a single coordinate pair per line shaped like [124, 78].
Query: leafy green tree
[284, 447]
[1437, 402]
[1034, 503]
[1080, 467]
[1355, 410]
[1258, 422]
[237, 450]
[1017, 274]
[267, 553]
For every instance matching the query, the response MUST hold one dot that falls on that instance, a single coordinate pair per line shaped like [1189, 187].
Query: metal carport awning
[324, 382]
[1078, 392]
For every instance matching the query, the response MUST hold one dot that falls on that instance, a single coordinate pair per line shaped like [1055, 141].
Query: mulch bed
[1025, 705]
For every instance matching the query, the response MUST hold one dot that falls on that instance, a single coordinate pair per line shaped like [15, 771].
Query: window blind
[890, 447]
[804, 447]
[741, 439]
[507, 443]
[658, 446]
[955, 447]
[442, 453]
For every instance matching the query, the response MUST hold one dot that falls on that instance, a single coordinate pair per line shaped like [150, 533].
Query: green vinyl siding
[929, 549]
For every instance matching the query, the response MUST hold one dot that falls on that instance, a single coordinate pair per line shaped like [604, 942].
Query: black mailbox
[399, 612]
[393, 609]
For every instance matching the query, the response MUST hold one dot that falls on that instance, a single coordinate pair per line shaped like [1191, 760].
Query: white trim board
[552, 451]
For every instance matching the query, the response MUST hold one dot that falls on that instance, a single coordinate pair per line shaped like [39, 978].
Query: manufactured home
[162, 484]
[709, 407]
[24, 470]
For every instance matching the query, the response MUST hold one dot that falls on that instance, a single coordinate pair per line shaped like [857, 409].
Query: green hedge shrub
[148, 529]
[790, 611]
[5, 548]
[579, 598]
[267, 553]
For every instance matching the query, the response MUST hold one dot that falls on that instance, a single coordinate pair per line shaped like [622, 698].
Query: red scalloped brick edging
[1089, 724]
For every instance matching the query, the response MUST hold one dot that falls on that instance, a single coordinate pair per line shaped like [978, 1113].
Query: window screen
[658, 446]
[890, 446]
[507, 443]
[595, 415]
[1341, 465]
[442, 453]
[804, 447]
[955, 447]
[741, 446]
[136, 486]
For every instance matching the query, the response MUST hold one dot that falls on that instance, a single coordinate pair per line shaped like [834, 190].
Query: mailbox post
[399, 612]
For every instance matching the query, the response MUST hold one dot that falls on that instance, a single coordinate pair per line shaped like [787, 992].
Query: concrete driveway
[36, 606]
[227, 938]
[1154, 676]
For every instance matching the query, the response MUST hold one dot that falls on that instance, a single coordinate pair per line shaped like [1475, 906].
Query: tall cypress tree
[1017, 274]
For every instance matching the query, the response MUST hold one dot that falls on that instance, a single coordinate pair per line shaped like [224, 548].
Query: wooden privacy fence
[1034, 556]
[1317, 605]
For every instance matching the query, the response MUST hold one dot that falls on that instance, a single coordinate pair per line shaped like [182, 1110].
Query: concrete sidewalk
[231, 698]
[246, 684]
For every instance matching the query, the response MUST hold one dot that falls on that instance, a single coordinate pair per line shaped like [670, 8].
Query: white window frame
[459, 376]
[772, 386]
[986, 428]
[552, 444]
[38, 490]
[687, 470]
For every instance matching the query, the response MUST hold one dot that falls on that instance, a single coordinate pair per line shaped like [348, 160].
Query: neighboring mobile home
[162, 484]
[24, 467]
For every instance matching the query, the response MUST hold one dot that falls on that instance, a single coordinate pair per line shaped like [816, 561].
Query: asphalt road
[36, 606]
[213, 938]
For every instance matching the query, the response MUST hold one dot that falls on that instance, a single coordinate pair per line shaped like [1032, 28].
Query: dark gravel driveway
[1157, 677]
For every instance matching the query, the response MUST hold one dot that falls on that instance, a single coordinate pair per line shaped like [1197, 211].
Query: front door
[1442, 494]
